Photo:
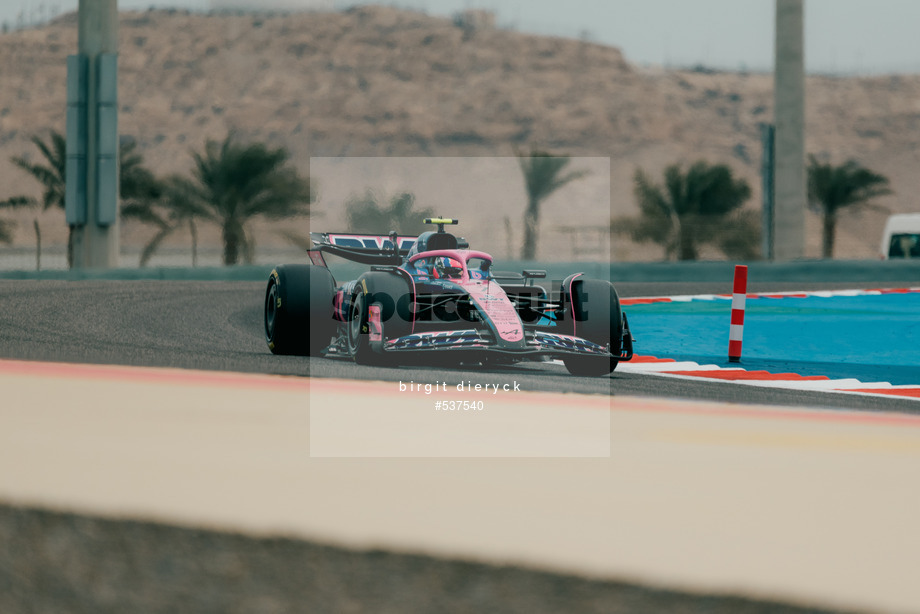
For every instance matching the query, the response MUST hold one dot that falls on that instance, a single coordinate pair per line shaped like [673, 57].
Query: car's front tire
[598, 319]
[298, 313]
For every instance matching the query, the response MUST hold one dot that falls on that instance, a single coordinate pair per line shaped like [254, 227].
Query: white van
[901, 238]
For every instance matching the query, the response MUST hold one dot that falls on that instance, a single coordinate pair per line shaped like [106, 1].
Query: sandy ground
[58, 562]
[804, 506]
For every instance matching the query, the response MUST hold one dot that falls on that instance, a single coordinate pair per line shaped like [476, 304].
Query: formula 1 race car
[433, 294]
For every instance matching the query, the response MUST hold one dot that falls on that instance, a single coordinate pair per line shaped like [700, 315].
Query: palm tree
[136, 182]
[159, 202]
[543, 175]
[171, 209]
[700, 206]
[51, 175]
[6, 227]
[368, 214]
[833, 188]
[233, 183]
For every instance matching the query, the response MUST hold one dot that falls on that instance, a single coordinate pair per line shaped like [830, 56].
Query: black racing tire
[386, 290]
[597, 318]
[299, 310]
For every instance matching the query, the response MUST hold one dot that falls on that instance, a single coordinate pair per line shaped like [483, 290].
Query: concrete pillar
[96, 245]
[789, 112]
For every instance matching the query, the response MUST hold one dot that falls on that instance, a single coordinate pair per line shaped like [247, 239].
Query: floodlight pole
[789, 114]
[768, 166]
[92, 137]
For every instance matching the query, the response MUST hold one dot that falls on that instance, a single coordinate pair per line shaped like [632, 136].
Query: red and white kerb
[739, 295]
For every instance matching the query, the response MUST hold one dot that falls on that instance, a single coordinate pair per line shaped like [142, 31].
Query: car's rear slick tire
[298, 313]
[598, 319]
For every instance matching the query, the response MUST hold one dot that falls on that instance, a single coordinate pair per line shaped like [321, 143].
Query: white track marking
[663, 368]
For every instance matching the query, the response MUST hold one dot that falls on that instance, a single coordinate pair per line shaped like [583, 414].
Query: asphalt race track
[218, 326]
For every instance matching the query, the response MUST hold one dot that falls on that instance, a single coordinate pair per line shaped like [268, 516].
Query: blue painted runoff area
[872, 338]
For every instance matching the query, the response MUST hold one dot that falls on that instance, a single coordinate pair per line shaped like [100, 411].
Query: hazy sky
[842, 36]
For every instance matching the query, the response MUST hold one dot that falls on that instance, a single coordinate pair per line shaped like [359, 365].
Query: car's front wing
[537, 343]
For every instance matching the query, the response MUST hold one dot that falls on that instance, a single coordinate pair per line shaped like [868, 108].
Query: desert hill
[378, 81]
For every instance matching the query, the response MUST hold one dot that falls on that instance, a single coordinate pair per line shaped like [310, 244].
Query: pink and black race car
[434, 294]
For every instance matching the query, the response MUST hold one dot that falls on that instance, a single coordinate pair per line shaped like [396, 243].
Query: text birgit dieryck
[461, 387]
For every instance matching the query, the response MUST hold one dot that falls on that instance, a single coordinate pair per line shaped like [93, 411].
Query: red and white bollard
[739, 296]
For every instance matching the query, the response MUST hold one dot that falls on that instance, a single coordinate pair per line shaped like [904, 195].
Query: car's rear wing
[524, 278]
[363, 248]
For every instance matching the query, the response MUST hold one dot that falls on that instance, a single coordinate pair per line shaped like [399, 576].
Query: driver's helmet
[448, 268]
